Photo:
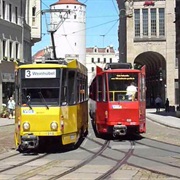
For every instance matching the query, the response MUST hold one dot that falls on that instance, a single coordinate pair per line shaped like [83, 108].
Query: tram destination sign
[40, 73]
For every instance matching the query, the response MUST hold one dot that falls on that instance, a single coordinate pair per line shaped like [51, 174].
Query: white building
[99, 56]
[20, 28]
[68, 21]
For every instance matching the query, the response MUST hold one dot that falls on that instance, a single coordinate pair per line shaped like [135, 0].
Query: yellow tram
[51, 104]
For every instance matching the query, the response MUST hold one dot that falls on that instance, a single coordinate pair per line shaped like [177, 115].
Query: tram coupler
[29, 142]
[119, 130]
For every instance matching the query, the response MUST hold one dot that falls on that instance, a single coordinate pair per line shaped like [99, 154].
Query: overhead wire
[102, 24]
[115, 7]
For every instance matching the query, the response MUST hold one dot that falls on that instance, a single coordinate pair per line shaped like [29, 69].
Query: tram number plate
[116, 106]
[50, 133]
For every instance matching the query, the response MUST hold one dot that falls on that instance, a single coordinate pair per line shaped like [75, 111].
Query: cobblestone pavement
[162, 133]
[7, 144]
[6, 138]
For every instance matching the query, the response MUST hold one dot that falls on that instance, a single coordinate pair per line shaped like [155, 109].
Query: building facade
[17, 35]
[96, 56]
[151, 41]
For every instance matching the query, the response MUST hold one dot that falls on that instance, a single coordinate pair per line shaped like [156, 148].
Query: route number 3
[28, 73]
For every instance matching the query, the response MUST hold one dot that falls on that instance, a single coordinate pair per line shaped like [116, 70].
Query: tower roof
[68, 2]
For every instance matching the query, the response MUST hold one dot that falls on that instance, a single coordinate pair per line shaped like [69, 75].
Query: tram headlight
[26, 126]
[54, 126]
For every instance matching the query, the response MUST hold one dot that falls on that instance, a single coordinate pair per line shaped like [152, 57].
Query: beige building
[20, 23]
[99, 56]
[151, 41]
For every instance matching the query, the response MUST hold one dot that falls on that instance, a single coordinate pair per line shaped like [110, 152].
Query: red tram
[114, 108]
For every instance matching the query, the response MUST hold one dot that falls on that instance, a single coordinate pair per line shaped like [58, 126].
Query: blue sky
[101, 24]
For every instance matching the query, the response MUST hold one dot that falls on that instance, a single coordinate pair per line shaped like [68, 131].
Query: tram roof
[25, 66]
[72, 64]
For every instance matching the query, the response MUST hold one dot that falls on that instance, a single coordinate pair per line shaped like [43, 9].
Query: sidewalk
[6, 121]
[166, 118]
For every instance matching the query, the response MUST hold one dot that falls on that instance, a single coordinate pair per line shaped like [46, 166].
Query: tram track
[23, 163]
[34, 172]
[120, 162]
[142, 157]
[170, 165]
[86, 161]
[129, 152]
[12, 155]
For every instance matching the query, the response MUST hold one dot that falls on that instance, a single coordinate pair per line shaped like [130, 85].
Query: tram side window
[86, 87]
[78, 89]
[105, 94]
[92, 90]
[64, 88]
[71, 87]
[82, 87]
[99, 88]
[81, 91]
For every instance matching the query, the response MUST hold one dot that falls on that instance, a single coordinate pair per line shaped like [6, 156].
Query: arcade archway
[155, 75]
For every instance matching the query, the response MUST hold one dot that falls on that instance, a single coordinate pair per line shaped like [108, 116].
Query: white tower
[70, 36]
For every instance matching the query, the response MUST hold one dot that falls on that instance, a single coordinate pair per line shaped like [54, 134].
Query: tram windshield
[40, 91]
[123, 86]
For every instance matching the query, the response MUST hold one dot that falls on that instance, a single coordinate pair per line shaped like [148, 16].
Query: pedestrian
[167, 105]
[11, 107]
[158, 102]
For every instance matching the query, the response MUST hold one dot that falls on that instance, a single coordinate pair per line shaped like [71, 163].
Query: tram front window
[119, 86]
[38, 92]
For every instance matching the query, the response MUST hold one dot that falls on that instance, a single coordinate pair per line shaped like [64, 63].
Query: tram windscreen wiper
[42, 97]
[28, 97]
[28, 101]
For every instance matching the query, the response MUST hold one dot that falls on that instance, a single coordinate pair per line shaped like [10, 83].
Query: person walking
[11, 107]
[158, 102]
[167, 105]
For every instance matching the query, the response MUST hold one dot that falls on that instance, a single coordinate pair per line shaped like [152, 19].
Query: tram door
[102, 105]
